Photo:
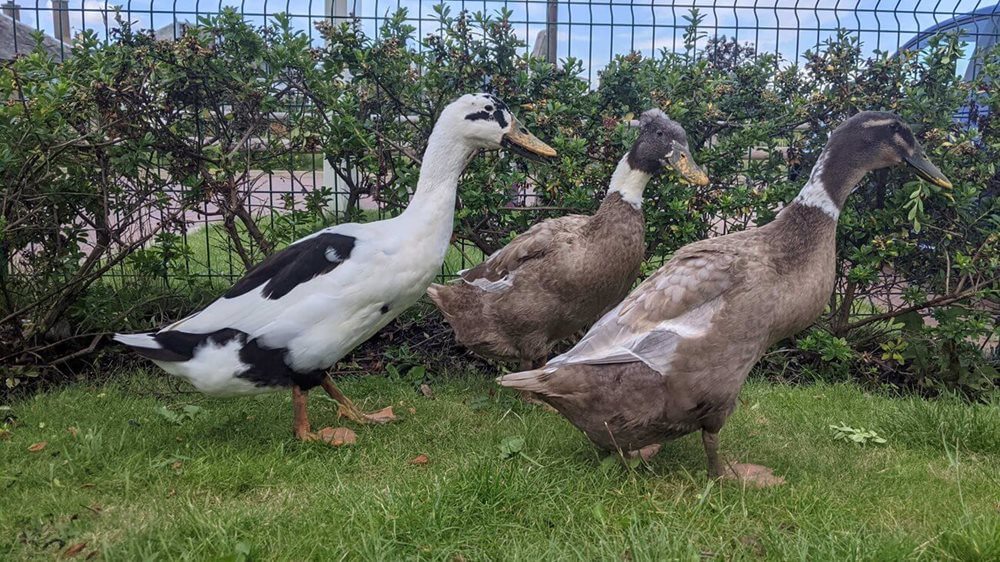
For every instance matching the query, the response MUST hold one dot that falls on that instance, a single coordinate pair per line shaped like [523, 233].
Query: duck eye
[659, 133]
[489, 108]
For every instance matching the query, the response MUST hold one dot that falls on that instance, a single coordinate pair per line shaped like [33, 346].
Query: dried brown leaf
[37, 447]
[336, 436]
[425, 389]
[74, 550]
[384, 415]
[754, 475]
[73, 431]
[420, 460]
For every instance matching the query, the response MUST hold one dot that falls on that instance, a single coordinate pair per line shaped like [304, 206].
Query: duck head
[868, 141]
[663, 143]
[484, 121]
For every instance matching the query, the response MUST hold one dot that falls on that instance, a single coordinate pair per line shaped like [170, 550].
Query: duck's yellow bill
[520, 141]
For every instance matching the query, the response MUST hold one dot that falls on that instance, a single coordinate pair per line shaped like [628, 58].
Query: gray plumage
[563, 273]
[672, 357]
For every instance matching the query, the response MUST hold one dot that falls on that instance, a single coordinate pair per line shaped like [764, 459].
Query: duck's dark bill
[682, 161]
[927, 170]
[523, 143]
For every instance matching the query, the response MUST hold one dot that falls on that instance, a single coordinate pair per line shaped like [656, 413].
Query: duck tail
[144, 344]
[139, 341]
[437, 294]
[462, 310]
[532, 381]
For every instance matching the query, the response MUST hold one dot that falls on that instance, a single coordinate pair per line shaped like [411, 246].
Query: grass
[229, 482]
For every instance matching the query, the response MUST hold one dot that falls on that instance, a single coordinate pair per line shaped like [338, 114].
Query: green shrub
[917, 269]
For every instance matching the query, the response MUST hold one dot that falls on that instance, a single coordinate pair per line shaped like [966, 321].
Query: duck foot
[348, 410]
[645, 453]
[752, 475]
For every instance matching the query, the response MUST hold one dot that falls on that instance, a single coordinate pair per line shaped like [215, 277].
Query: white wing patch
[332, 256]
[655, 348]
[498, 286]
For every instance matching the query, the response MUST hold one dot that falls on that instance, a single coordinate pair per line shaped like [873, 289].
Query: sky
[591, 30]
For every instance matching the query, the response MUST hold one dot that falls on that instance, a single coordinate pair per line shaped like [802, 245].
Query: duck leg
[749, 474]
[711, 442]
[352, 412]
[300, 425]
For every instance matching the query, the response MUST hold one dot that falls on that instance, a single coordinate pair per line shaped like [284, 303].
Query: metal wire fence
[592, 31]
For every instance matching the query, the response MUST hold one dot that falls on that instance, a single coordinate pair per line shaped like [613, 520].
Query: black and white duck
[294, 315]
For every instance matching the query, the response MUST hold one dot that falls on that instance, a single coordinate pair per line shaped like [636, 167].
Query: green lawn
[231, 482]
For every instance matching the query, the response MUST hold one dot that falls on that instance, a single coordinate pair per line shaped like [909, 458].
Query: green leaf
[511, 447]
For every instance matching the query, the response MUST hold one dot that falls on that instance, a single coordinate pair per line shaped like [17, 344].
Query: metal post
[552, 31]
[336, 11]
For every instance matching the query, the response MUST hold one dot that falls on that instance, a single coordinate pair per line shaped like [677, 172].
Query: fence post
[336, 12]
[552, 31]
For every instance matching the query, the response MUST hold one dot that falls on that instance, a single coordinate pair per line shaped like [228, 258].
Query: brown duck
[672, 357]
[564, 273]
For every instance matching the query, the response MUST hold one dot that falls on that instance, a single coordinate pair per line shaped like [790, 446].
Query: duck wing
[497, 272]
[305, 279]
[679, 301]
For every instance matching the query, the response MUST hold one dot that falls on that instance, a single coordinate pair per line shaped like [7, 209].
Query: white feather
[814, 193]
[608, 342]
[145, 341]
[213, 369]
[629, 182]
[498, 286]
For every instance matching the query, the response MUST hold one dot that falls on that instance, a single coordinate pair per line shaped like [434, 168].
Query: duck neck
[629, 182]
[432, 207]
[808, 225]
[832, 179]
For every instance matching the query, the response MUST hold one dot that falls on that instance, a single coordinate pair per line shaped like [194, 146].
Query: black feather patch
[268, 368]
[479, 116]
[267, 365]
[180, 346]
[500, 119]
[296, 264]
[499, 103]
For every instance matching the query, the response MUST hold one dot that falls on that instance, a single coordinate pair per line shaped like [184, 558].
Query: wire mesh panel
[591, 31]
